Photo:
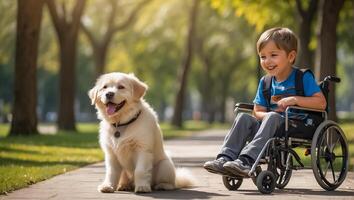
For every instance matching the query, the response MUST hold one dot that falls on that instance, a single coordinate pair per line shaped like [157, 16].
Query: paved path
[190, 153]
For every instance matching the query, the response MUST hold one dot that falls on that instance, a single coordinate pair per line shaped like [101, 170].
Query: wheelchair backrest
[324, 85]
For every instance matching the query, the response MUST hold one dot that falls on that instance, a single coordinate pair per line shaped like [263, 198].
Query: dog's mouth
[112, 108]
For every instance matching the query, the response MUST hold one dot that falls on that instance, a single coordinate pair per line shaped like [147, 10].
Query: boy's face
[276, 62]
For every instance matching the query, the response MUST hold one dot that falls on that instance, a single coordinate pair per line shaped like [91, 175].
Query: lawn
[27, 160]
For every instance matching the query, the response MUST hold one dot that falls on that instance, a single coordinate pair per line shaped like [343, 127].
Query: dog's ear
[139, 88]
[93, 95]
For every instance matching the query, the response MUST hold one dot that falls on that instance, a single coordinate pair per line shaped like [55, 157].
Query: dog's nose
[109, 95]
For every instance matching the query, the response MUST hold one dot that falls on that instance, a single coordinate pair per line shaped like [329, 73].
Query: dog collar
[116, 125]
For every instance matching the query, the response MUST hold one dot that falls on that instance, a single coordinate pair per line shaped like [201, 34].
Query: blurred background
[198, 57]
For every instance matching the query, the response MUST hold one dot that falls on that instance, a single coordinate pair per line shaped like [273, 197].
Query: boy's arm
[259, 111]
[316, 101]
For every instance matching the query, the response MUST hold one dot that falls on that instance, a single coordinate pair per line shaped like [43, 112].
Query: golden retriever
[131, 139]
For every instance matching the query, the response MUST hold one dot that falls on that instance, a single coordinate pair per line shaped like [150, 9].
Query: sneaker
[237, 167]
[216, 166]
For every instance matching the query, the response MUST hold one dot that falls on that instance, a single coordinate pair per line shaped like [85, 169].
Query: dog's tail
[184, 178]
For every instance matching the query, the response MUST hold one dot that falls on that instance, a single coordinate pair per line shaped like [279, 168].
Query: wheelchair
[327, 147]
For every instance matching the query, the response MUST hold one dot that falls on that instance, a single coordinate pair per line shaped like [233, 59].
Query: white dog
[131, 138]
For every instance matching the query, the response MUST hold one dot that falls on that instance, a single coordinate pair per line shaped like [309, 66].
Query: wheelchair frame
[266, 180]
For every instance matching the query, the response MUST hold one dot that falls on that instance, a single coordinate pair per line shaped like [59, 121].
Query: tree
[185, 65]
[100, 46]
[326, 54]
[154, 46]
[66, 27]
[29, 15]
[304, 58]
[220, 47]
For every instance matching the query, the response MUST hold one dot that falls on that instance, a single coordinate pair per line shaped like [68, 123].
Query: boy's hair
[283, 38]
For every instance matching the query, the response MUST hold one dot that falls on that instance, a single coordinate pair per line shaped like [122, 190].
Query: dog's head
[116, 92]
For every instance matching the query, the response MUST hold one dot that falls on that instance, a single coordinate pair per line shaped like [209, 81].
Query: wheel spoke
[333, 173]
[326, 169]
[281, 177]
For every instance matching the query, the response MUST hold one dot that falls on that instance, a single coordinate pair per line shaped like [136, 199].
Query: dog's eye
[104, 87]
[121, 87]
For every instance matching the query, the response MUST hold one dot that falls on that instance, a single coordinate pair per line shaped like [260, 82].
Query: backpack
[304, 128]
[299, 85]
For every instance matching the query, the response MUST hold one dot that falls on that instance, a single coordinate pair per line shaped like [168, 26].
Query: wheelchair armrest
[303, 108]
[244, 106]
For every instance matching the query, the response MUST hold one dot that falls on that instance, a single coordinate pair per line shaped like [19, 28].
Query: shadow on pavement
[302, 192]
[182, 194]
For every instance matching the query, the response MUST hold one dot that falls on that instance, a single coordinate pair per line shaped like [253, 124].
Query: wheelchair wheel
[266, 182]
[329, 155]
[283, 176]
[232, 183]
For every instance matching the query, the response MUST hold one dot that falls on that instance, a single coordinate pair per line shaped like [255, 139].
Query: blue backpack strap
[267, 83]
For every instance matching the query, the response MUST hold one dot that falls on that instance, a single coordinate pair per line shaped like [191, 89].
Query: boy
[277, 48]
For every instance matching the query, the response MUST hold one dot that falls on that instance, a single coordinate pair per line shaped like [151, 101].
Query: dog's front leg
[125, 182]
[113, 171]
[143, 172]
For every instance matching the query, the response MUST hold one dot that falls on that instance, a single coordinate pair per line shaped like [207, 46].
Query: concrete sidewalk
[190, 153]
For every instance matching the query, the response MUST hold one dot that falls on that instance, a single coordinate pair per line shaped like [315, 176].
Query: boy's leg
[270, 124]
[243, 128]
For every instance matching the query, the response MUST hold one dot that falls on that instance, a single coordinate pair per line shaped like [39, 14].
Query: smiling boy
[277, 49]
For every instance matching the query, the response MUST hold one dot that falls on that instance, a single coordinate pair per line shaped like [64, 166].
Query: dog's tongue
[111, 108]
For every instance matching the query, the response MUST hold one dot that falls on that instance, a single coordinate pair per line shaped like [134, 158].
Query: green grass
[27, 160]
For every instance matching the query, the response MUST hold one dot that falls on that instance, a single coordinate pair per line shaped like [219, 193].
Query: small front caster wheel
[232, 183]
[266, 182]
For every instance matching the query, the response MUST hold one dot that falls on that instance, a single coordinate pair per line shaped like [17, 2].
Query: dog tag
[117, 134]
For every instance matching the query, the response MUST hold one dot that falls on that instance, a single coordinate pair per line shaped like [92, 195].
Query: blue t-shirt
[285, 88]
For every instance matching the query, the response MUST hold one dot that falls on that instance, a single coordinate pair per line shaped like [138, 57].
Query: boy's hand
[285, 102]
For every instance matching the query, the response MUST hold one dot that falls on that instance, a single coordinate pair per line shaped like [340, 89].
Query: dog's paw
[126, 187]
[105, 188]
[142, 188]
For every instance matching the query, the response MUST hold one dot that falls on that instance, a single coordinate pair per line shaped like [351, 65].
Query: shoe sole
[223, 173]
[236, 171]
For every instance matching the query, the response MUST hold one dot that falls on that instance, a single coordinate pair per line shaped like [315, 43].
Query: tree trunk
[206, 86]
[304, 58]
[29, 16]
[326, 54]
[225, 85]
[100, 55]
[67, 74]
[67, 28]
[186, 62]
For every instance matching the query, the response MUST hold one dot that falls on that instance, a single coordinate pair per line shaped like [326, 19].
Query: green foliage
[7, 48]
[260, 13]
[154, 49]
[153, 46]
